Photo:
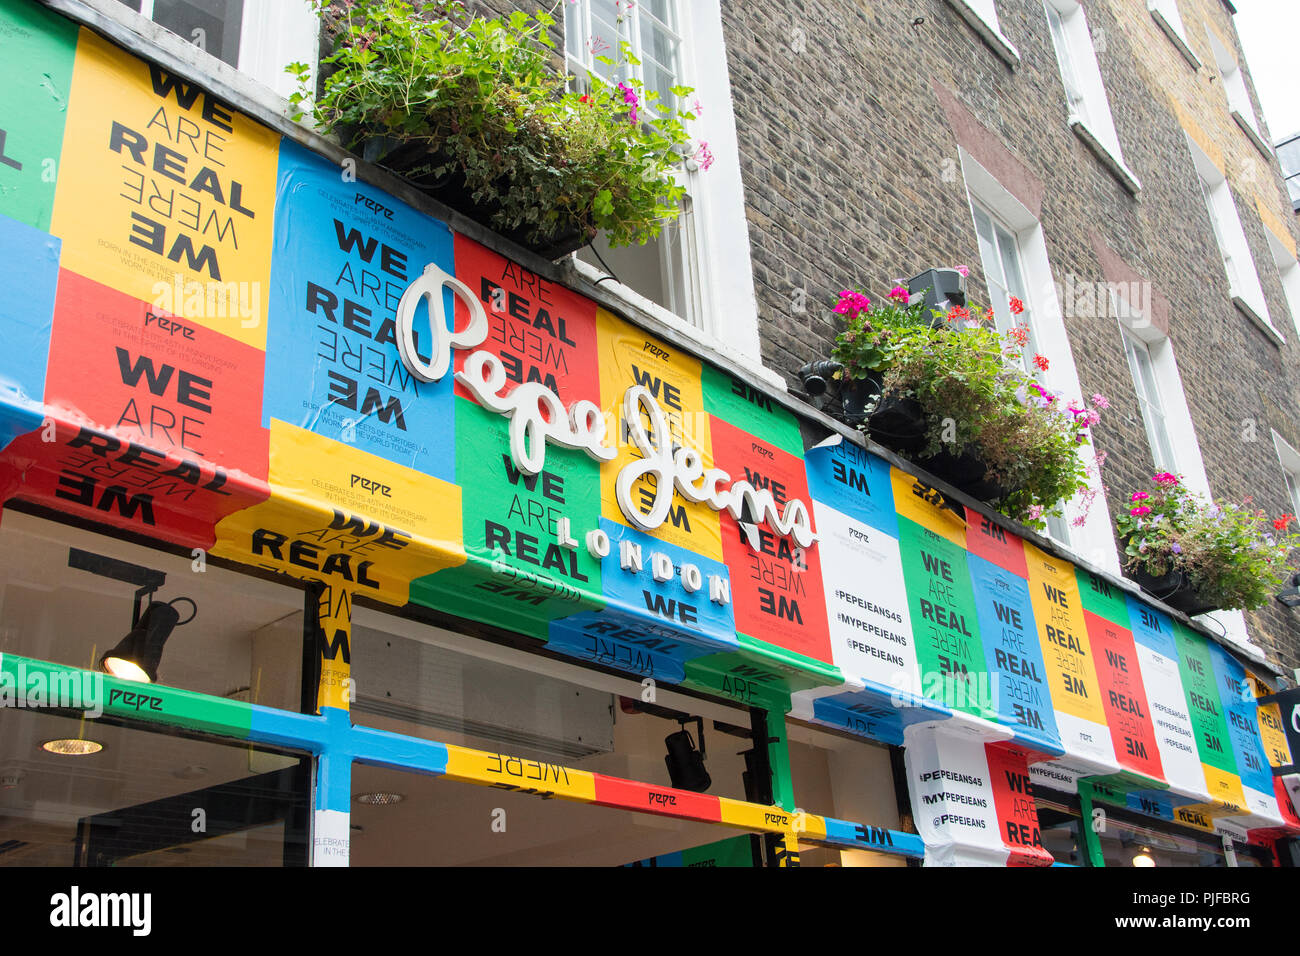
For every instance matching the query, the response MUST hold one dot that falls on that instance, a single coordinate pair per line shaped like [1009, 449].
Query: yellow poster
[347, 517]
[1273, 735]
[1063, 633]
[927, 507]
[166, 193]
[629, 356]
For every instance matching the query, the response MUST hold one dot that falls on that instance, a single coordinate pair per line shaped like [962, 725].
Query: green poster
[945, 623]
[517, 570]
[742, 406]
[1102, 598]
[1203, 704]
[38, 47]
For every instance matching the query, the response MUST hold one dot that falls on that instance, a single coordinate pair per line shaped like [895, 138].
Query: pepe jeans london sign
[537, 416]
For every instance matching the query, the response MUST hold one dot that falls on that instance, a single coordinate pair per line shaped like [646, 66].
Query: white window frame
[1151, 402]
[1230, 239]
[1089, 108]
[1234, 88]
[1165, 13]
[273, 34]
[726, 321]
[1288, 272]
[1182, 438]
[982, 15]
[1094, 540]
[1289, 461]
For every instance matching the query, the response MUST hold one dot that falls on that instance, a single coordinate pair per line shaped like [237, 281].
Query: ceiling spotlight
[1143, 859]
[72, 747]
[685, 763]
[380, 799]
[137, 655]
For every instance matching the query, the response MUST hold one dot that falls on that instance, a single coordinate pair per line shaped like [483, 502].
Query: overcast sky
[1270, 35]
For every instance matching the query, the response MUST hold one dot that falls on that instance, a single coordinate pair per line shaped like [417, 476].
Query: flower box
[472, 111]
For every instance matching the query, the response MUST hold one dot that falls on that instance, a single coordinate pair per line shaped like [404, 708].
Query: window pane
[245, 640]
[132, 803]
[440, 822]
[212, 25]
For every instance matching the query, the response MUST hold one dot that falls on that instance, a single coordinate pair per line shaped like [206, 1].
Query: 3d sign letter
[537, 416]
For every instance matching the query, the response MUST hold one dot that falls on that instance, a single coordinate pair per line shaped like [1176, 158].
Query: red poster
[542, 332]
[994, 543]
[1123, 696]
[142, 406]
[776, 586]
[1013, 796]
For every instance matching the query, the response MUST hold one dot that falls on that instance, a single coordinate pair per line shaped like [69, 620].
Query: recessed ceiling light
[380, 799]
[72, 747]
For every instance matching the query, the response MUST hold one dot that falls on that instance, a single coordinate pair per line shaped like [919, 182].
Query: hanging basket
[415, 163]
[1174, 589]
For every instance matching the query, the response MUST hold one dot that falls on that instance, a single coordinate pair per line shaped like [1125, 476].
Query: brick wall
[849, 119]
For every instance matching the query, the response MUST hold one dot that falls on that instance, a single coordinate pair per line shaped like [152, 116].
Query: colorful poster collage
[206, 352]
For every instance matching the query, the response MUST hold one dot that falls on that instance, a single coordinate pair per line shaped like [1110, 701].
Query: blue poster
[344, 252]
[1014, 655]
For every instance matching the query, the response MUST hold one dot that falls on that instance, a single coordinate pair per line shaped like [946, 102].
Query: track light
[137, 655]
[686, 764]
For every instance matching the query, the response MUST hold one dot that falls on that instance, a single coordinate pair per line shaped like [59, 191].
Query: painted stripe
[754, 816]
[856, 836]
[633, 795]
[517, 773]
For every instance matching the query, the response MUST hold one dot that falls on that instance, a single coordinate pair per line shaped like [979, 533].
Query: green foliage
[1232, 555]
[977, 398]
[479, 100]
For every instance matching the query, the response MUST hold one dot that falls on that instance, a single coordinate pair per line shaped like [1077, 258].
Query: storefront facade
[464, 546]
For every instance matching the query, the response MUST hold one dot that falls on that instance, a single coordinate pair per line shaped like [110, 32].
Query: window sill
[1264, 324]
[1252, 134]
[1108, 159]
[990, 33]
[1178, 41]
[635, 303]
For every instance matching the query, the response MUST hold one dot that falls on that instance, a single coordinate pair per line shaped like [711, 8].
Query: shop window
[1127, 841]
[697, 275]
[1089, 109]
[1230, 239]
[144, 798]
[257, 37]
[547, 718]
[1059, 827]
[421, 681]
[1165, 13]
[847, 778]
[68, 596]
[407, 819]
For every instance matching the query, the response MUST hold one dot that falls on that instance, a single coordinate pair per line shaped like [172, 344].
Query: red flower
[957, 312]
[1040, 362]
[1016, 306]
[1281, 523]
[1019, 334]
[584, 99]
